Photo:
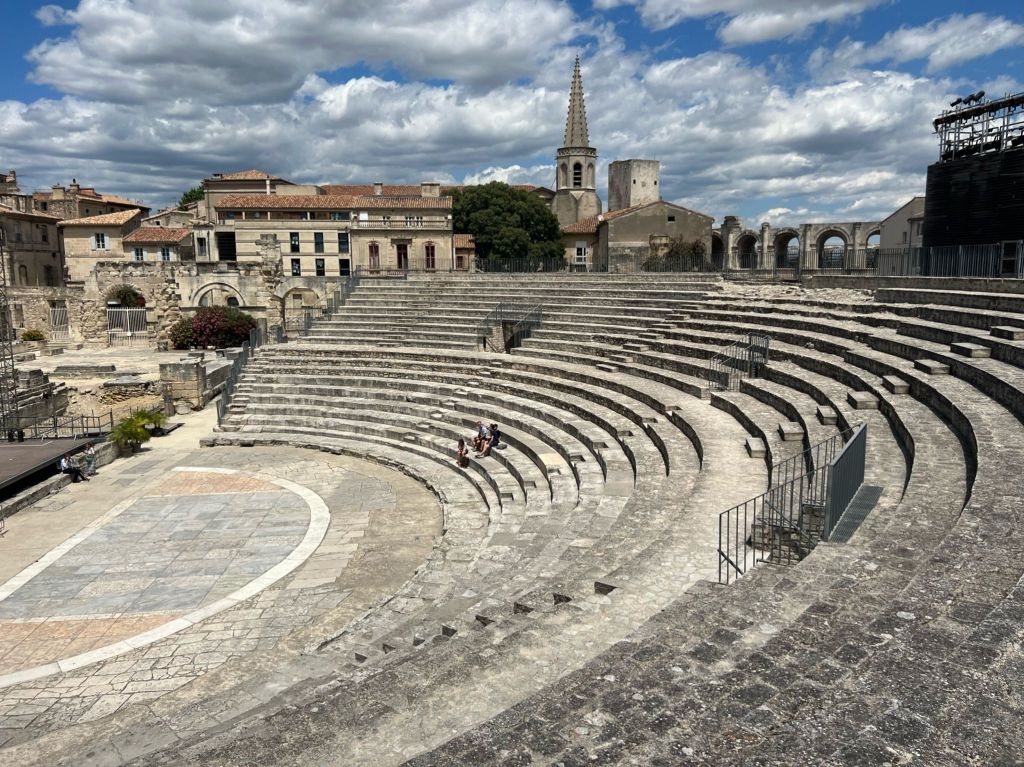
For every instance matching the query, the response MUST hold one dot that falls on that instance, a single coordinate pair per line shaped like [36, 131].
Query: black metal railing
[785, 523]
[516, 321]
[743, 359]
[845, 477]
[256, 340]
[67, 427]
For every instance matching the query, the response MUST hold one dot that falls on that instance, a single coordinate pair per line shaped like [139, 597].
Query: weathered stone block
[967, 349]
[826, 415]
[862, 400]
[895, 385]
[1007, 333]
[755, 447]
[932, 367]
[790, 431]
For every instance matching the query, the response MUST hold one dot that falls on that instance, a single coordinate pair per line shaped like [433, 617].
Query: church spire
[576, 123]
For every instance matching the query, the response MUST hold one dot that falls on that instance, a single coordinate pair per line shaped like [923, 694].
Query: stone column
[763, 251]
[808, 255]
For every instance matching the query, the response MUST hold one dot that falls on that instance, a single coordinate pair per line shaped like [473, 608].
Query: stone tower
[633, 182]
[575, 165]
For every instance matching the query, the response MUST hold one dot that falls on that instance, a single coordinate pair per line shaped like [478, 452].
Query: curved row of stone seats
[319, 373]
[318, 407]
[791, 693]
[781, 426]
[960, 340]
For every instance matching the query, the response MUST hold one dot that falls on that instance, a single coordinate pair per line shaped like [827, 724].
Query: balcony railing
[377, 222]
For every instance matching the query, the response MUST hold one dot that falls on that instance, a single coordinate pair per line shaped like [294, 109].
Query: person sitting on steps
[493, 435]
[479, 437]
[462, 454]
[70, 467]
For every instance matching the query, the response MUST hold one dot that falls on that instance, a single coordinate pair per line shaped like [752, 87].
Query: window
[344, 267]
[343, 242]
[296, 267]
[671, 218]
[17, 231]
[318, 242]
[581, 252]
[140, 254]
[43, 205]
[429, 256]
[44, 233]
[294, 237]
[231, 215]
[306, 215]
[577, 175]
[320, 269]
[201, 241]
[374, 255]
[340, 215]
[99, 241]
[232, 302]
[904, 235]
[165, 253]
[50, 276]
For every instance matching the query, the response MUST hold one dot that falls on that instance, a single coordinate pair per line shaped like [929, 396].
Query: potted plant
[153, 421]
[129, 433]
[34, 338]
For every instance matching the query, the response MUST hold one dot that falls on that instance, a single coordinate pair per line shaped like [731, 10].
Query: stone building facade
[76, 201]
[88, 241]
[330, 235]
[804, 246]
[633, 182]
[32, 249]
[904, 227]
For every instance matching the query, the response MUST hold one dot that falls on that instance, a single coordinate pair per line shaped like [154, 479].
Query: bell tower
[576, 162]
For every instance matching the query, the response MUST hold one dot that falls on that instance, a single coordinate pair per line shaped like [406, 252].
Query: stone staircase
[570, 615]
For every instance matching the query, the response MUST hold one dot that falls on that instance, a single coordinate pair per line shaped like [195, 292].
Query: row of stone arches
[831, 248]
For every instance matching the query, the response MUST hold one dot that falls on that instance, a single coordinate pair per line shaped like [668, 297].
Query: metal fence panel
[845, 477]
[127, 326]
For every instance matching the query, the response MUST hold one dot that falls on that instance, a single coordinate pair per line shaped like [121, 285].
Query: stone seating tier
[600, 639]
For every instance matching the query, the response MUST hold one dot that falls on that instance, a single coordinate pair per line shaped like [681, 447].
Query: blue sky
[768, 109]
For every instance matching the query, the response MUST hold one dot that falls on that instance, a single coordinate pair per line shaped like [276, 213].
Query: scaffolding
[8, 375]
[991, 126]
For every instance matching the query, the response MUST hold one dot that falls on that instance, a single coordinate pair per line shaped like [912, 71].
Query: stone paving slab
[182, 541]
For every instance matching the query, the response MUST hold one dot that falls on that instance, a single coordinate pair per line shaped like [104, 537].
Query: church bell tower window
[577, 175]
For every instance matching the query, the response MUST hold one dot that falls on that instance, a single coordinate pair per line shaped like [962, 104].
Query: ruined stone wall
[156, 281]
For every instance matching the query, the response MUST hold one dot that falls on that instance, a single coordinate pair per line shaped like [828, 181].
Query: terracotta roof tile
[158, 234]
[328, 202]
[587, 225]
[107, 219]
[253, 174]
[464, 241]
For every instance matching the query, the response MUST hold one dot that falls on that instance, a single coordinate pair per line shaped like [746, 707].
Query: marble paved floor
[163, 538]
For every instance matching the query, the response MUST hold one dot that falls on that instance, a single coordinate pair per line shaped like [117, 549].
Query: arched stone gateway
[831, 247]
[786, 247]
[218, 294]
[717, 251]
[746, 250]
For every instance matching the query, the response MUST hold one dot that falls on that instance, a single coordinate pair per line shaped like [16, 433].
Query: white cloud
[942, 43]
[732, 137]
[747, 21]
[258, 51]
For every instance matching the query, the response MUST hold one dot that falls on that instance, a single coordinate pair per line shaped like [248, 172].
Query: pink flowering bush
[216, 326]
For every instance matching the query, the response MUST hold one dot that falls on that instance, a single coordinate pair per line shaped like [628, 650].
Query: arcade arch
[832, 247]
[787, 248]
[746, 249]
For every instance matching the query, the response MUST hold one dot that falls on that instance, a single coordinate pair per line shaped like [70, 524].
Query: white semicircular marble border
[319, 520]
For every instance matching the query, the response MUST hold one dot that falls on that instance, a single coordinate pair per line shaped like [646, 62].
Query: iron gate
[126, 326]
[59, 323]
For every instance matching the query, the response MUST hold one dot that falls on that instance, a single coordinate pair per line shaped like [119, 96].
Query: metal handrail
[785, 523]
[743, 359]
[256, 340]
[525, 317]
[70, 427]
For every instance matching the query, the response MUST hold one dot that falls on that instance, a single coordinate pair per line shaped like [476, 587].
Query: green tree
[195, 194]
[680, 256]
[508, 223]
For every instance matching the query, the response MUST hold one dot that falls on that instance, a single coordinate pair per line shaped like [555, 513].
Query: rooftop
[328, 202]
[117, 218]
[158, 234]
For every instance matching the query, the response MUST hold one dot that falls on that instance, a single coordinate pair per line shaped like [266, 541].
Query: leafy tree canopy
[195, 194]
[506, 223]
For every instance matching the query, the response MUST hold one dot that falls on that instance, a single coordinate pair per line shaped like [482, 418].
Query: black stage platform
[28, 462]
